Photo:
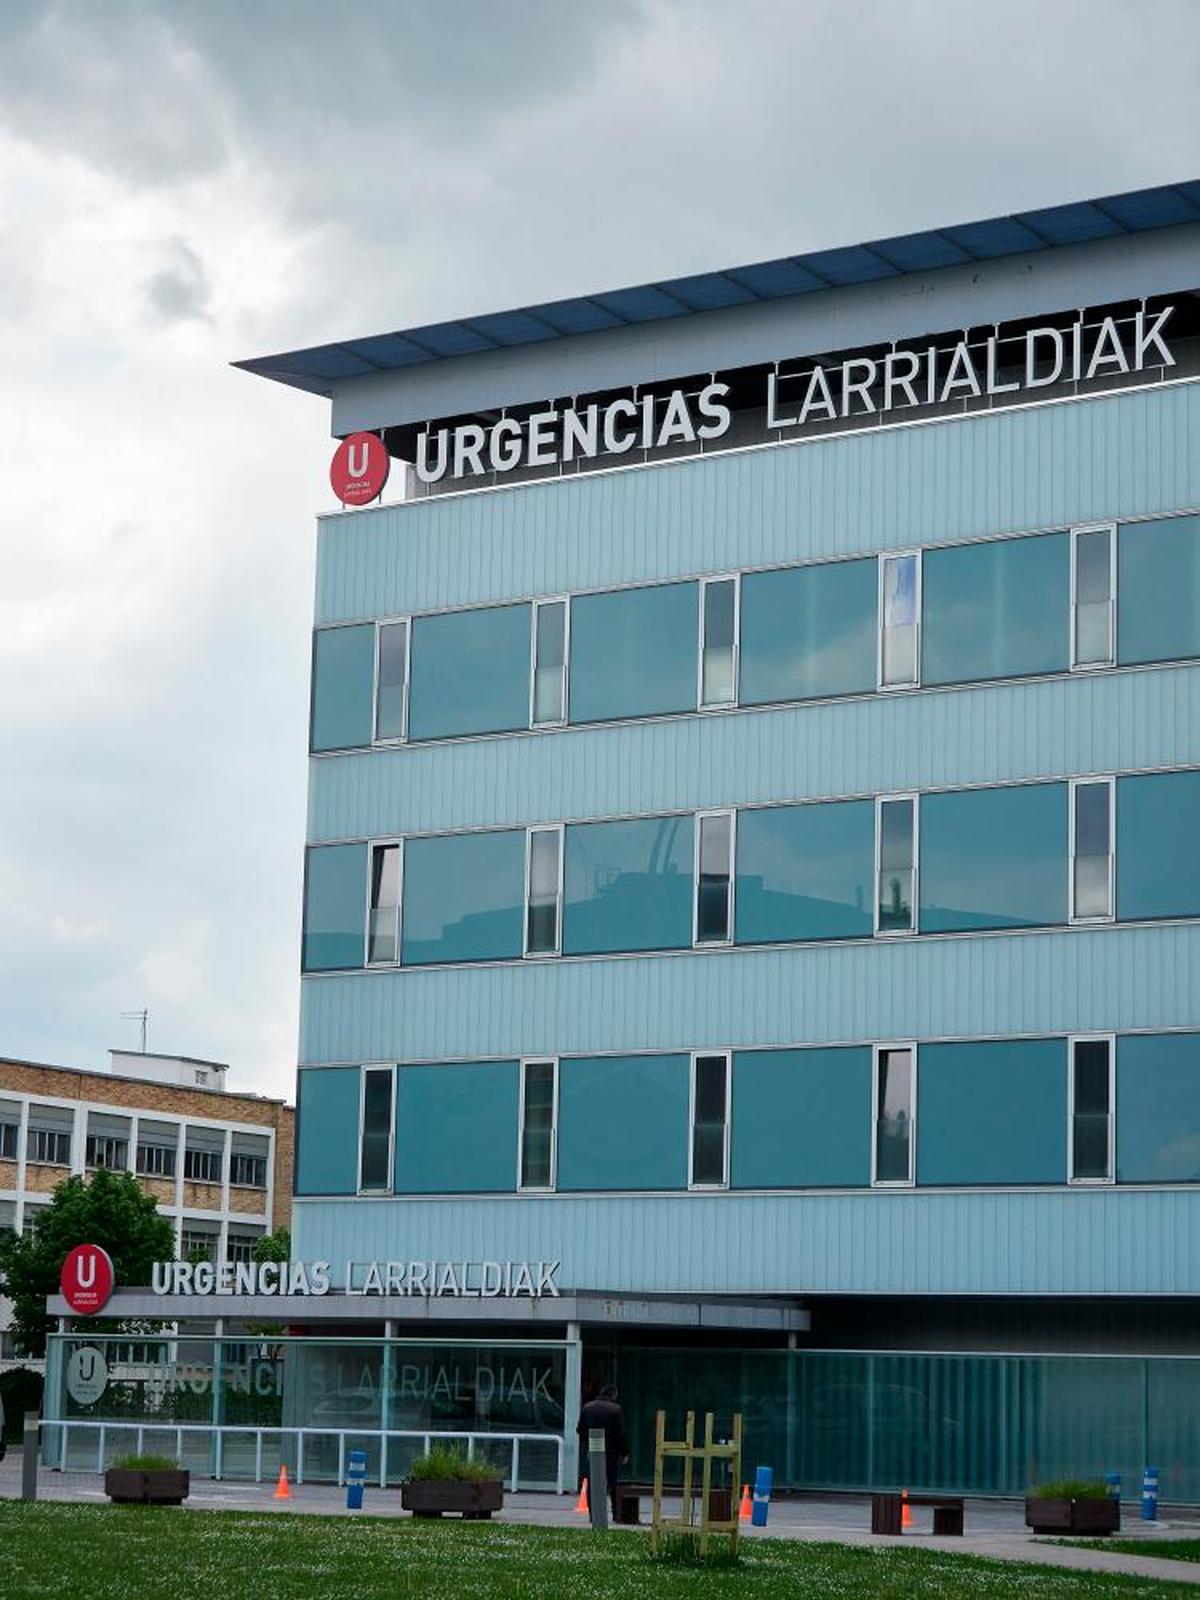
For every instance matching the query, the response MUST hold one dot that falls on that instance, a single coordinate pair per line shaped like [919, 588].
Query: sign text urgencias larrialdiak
[906, 378]
[430, 1280]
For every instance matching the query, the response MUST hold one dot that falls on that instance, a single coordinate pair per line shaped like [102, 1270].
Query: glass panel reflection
[893, 1124]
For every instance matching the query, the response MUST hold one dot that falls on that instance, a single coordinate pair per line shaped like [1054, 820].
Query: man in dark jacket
[604, 1414]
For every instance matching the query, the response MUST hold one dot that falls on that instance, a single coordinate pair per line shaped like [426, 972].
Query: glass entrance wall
[241, 1408]
[980, 1424]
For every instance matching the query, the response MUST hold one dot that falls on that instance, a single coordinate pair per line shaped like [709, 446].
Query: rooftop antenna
[138, 1016]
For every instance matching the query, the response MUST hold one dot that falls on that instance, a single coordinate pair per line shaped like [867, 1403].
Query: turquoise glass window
[470, 672]
[628, 885]
[808, 632]
[633, 652]
[805, 872]
[1158, 590]
[327, 1130]
[623, 1122]
[994, 858]
[1158, 846]
[343, 682]
[456, 1128]
[801, 1119]
[335, 891]
[992, 1112]
[1158, 1108]
[1000, 609]
[464, 897]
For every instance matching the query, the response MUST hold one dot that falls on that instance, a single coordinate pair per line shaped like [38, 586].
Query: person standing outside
[604, 1414]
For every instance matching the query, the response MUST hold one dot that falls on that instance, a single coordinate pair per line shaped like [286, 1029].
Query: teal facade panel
[944, 738]
[633, 652]
[456, 1127]
[335, 895]
[327, 1102]
[805, 872]
[1076, 980]
[464, 898]
[623, 1123]
[1158, 1108]
[343, 687]
[1005, 472]
[992, 1112]
[1158, 590]
[1000, 609]
[994, 858]
[808, 631]
[800, 1119]
[628, 885]
[469, 672]
[1158, 845]
[877, 1241]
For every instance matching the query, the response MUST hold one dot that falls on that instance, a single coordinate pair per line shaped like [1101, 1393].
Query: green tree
[275, 1246]
[109, 1209]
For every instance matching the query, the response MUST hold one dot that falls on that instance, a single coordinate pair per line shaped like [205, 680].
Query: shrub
[148, 1463]
[449, 1466]
[1071, 1489]
[21, 1391]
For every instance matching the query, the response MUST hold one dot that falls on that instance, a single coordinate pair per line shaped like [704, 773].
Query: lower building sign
[428, 1280]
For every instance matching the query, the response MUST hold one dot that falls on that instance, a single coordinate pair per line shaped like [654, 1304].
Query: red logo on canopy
[87, 1279]
[359, 469]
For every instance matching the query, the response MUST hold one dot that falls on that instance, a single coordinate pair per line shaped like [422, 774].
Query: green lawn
[132, 1553]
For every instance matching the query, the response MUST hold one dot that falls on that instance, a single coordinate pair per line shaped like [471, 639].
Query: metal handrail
[427, 1436]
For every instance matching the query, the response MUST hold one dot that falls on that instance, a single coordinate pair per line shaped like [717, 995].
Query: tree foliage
[109, 1209]
[275, 1246]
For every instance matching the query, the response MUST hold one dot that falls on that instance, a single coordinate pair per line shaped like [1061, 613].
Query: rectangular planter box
[162, 1487]
[431, 1497]
[1073, 1516]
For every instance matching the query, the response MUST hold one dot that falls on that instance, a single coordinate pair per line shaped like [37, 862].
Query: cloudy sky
[192, 181]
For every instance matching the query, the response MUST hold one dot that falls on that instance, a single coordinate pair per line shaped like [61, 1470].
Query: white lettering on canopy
[429, 1280]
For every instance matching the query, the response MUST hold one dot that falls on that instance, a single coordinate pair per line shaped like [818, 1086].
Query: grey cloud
[180, 290]
[158, 92]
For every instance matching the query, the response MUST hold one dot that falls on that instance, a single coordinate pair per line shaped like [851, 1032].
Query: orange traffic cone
[745, 1511]
[581, 1505]
[905, 1510]
[282, 1492]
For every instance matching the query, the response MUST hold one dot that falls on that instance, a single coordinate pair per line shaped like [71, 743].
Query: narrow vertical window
[383, 935]
[1092, 850]
[549, 663]
[538, 1123]
[718, 641]
[710, 1122]
[895, 1099]
[1091, 1111]
[714, 878]
[543, 892]
[375, 1140]
[1093, 594]
[896, 838]
[899, 621]
[391, 681]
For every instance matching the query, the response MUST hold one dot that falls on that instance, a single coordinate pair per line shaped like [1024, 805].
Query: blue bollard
[1150, 1494]
[763, 1478]
[356, 1477]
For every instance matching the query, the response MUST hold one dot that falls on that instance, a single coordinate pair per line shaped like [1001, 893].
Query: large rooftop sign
[1004, 366]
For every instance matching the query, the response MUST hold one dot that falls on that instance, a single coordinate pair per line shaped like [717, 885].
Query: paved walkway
[995, 1528]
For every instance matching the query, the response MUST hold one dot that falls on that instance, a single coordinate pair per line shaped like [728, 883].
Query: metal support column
[572, 1405]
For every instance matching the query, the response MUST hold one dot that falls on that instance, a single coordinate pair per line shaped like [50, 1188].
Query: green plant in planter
[147, 1463]
[1071, 1489]
[449, 1466]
